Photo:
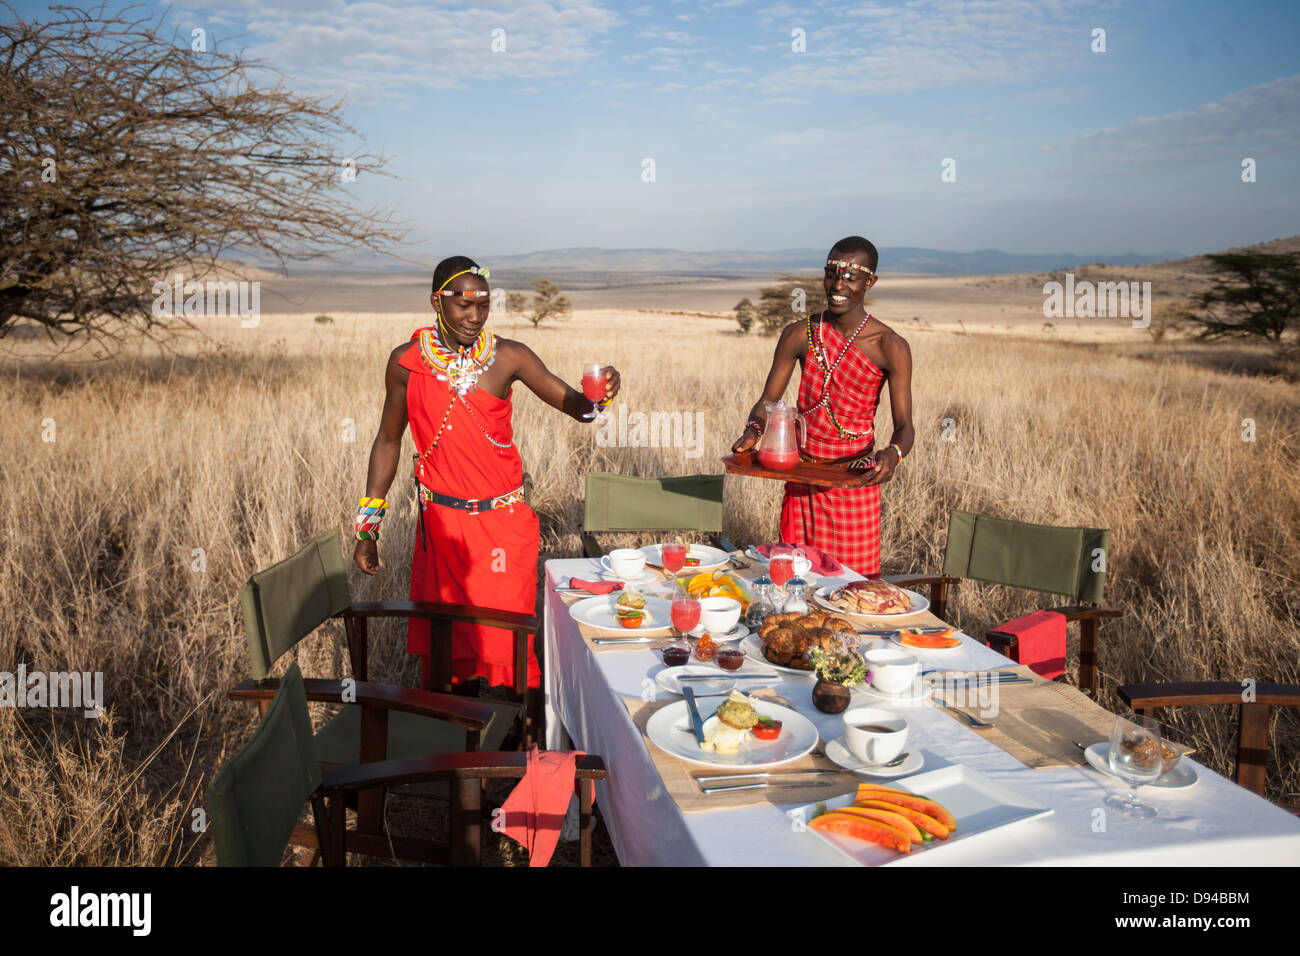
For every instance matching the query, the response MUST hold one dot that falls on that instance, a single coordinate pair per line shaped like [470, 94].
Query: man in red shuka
[845, 357]
[478, 540]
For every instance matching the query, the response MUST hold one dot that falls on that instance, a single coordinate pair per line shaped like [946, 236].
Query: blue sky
[758, 146]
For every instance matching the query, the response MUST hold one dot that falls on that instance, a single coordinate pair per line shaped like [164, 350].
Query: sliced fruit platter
[922, 813]
[717, 584]
[893, 818]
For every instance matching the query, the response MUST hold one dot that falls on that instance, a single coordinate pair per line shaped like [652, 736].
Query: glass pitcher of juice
[780, 445]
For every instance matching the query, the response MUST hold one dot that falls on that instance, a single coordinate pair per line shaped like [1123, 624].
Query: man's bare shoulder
[794, 337]
[395, 366]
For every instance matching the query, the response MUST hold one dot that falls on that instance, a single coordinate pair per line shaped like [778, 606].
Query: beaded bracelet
[369, 513]
[755, 424]
[899, 452]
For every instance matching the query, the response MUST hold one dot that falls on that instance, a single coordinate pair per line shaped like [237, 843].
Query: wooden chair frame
[1252, 716]
[465, 773]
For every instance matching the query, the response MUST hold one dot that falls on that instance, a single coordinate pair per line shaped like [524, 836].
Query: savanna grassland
[171, 477]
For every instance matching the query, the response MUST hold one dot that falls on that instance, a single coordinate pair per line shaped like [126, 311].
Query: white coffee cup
[874, 734]
[802, 564]
[892, 670]
[625, 563]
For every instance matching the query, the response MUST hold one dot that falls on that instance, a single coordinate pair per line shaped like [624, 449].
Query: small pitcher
[779, 448]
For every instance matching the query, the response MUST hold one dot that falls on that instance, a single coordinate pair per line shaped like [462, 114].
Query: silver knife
[763, 774]
[725, 676]
[697, 724]
[629, 640]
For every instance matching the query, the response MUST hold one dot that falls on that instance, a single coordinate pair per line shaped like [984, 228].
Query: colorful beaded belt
[473, 506]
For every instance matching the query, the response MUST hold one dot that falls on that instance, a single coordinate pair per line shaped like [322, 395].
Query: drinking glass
[1136, 758]
[685, 611]
[593, 386]
[674, 556]
[781, 568]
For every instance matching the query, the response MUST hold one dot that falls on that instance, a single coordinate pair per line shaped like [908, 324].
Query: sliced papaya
[920, 804]
[942, 640]
[922, 821]
[865, 788]
[888, 815]
[862, 828]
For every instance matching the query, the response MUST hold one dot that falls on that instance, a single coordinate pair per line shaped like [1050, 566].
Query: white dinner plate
[1183, 775]
[711, 559]
[839, 752]
[979, 804]
[753, 648]
[669, 729]
[718, 683]
[919, 603]
[598, 612]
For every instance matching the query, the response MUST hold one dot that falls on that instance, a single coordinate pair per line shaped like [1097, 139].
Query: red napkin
[595, 587]
[1040, 642]
[534, 812]
[822, 563]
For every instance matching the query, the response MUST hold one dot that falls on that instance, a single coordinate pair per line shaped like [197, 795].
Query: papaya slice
[932, 641]
[866, 788]
[862, 828]
[923, 821]
[891, 816]
[921, 805]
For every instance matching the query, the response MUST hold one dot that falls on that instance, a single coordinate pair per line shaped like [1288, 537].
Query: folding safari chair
[255, 801]
[1252, 716]
[1066, 561]
[623, 503]
[291, 599]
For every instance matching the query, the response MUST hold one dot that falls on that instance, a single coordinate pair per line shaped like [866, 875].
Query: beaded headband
[473, 271]
[843, 266]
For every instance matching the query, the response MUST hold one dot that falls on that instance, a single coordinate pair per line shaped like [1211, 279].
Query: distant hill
[898, 259]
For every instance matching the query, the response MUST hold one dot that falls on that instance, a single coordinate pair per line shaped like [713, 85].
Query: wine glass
[685, 611]
[1136, 758]
[593, 386]
[673, 556]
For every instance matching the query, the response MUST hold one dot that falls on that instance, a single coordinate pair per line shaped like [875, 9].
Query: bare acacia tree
[547, 303]
[128, 157]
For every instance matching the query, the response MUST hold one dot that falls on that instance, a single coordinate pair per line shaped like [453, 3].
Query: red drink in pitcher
[781, 460]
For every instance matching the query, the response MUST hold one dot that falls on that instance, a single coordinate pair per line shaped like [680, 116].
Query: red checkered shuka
[844, 522]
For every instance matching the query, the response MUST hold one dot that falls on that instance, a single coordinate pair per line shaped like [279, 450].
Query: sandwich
[736, 717]
[630, 608]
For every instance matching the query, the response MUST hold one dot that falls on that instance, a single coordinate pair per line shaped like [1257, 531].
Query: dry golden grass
[237, 447]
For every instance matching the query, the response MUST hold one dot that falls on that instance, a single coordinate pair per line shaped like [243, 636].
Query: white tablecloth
[1214, 822]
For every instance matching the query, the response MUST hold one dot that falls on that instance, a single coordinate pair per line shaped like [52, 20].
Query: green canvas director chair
[290, 600]
[1067, 561]
[255, 802]
[624, 503]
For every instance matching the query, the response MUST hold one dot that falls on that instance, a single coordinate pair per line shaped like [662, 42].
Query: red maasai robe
[844, 522]
[488, 559]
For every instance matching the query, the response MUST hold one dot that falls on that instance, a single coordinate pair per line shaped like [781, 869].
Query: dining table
[598, 698]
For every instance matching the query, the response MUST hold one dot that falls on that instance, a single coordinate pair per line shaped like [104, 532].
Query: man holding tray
[845, 356]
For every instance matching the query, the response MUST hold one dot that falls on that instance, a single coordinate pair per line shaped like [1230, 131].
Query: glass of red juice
[781, 568]
[685, 612]
[593, 386]
[674, 557]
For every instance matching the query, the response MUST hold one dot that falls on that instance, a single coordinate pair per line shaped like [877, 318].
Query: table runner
[1035, 723]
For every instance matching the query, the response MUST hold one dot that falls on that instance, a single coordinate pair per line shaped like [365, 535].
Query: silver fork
[974, 721]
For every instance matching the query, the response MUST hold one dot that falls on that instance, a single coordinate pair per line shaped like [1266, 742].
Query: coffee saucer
[838, 752]
[914, 693]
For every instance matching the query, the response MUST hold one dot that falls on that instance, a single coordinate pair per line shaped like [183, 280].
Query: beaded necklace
[460, 369]
[818, 349]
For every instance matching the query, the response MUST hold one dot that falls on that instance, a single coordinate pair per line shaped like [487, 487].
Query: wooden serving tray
[829, 476]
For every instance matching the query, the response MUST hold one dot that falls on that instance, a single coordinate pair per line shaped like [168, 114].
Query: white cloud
[1267, 115]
